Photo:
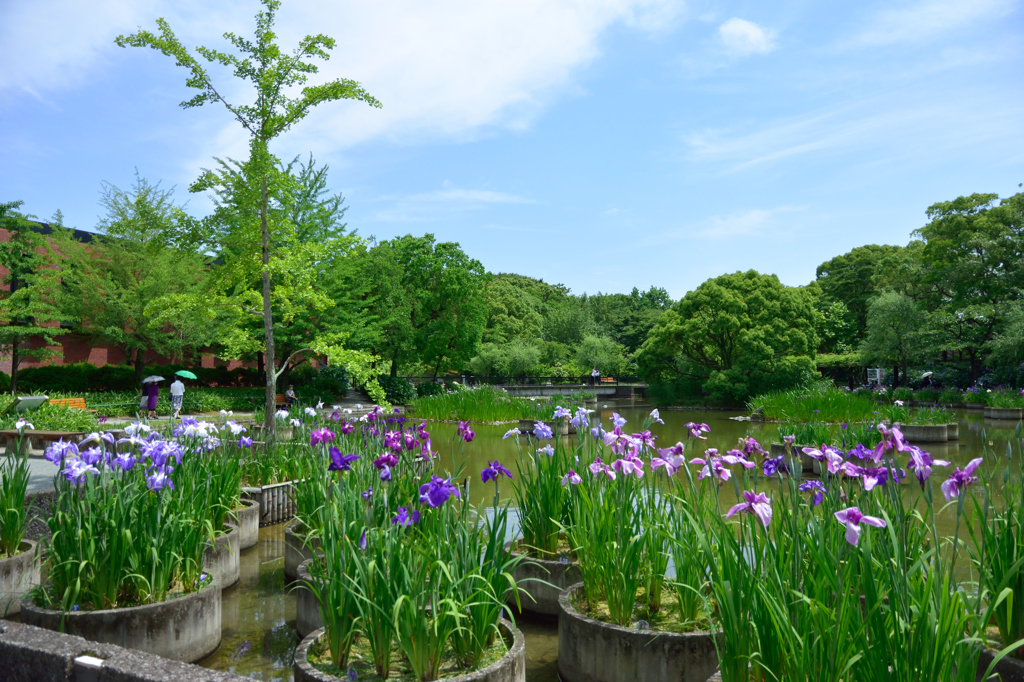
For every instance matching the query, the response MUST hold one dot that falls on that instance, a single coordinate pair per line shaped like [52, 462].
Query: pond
[259, 635]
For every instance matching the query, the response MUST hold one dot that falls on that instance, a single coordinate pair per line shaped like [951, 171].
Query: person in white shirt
[177, 396]
[595, 376]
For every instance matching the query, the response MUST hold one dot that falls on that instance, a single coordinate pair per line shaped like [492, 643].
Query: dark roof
[80, 235]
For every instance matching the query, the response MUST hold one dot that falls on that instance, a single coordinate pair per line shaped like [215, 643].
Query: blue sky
[603, 144]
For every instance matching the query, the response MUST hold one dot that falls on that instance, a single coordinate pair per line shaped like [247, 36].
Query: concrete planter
[806, 462]
[185, 628]
[298, 547]
[953, 431]
[974, 407]
[247, 518]
[592, 651]
[222, 557]
[307, 607]
[509, 668]
[1013, 413]
[18, 574]
[535, 597]
[275, 502]
[924, 433]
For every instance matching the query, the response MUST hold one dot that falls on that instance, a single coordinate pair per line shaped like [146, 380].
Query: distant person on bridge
[595, 376]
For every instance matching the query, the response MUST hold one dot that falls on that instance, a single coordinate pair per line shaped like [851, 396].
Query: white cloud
[741, 37]
[925, 19]
[742, 223]
[435, 205]
[444, 68]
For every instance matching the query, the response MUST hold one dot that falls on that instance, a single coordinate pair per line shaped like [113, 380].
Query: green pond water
[259, 636]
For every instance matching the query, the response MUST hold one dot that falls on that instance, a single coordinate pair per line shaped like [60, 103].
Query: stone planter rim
[517, 650]
[571, 611]
[510, 547]
[32, 544]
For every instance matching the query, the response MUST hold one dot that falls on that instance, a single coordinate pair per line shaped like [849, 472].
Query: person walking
[177, 396]
[595, 375]
[152, 392]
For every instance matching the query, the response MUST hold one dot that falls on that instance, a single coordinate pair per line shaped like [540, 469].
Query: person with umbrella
[178, 390]
[152, 392]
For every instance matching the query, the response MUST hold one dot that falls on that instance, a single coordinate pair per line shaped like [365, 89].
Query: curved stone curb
[307, 607]
[924, 433]
[18, 574]
[1011, 413]
[592, 651]
[185, 628]
[536, 597]
[509, 668]
[223, 558]
[247, 518]
[297, 548]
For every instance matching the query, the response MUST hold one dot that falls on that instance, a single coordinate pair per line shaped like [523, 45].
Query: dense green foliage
[488, 404]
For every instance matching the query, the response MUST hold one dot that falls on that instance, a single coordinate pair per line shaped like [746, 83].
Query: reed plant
[488, 404]
[819, 403]
[14, 476]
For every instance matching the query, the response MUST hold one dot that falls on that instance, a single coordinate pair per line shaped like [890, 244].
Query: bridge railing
[470, 380]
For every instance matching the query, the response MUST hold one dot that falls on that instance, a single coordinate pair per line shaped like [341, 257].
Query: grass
[489, 404]
[818, 404]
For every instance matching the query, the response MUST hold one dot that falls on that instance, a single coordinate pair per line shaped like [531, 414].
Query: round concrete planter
[298, 547]
[953, 431]
[222, 557]
[1013, 413]
[18, 574]
[806, 462]
[186, 628]
[924, 433]
[247, 518]
[1009, 669]
[535, 597]
[592, 651]
[974, 407]
[509, 668]
[307, 608]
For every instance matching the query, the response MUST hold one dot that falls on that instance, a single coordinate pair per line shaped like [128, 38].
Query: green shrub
[5, 382]
[902, 393]
[325, 384]
[927, 395]
[399, 391]
[429, 388]
[951, 395]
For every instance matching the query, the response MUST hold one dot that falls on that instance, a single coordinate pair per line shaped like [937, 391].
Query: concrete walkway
[41, 473]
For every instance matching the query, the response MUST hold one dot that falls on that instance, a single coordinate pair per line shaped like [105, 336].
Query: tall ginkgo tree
[274, 75]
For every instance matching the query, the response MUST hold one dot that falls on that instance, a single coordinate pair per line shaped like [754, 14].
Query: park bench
[607, 380]
[11, 437]
[77, 403]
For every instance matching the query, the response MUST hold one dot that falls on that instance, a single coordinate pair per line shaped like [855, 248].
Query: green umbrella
[186, 374]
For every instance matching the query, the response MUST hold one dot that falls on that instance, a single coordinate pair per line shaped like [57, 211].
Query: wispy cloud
[922, 20]
[435, 205]
[740, 223]
[742, 38]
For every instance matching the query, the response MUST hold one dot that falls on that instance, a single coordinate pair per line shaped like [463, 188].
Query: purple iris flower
[697, 429]
[385, 474]
[656, 417]
[410, 441]
[466, 433]
[346, 428]
[393, 441]
[597, 466]
[629, 465]
[561, 413]
[510, 433]
[437, 491]
[617, 420]
[813, 486]
[921, 463]
[76, 469]
[580, 421]
[368, 493]
[772, 465]
[244, 442]
[160, 478]
[789, 440]
[571, 477]
[92, 456]
[404, 518]
[125, 460]
[759, 505]
[362, 541]
[385, 460]
[829, 456]
[318, 436]
[493, 471]
[542, 431]
[645, 439]
[751, 447]
[860, 452]
[547, 450]
[340, 462]
[960, 479]
[670, 458]
[852, 518]
[59, 451]
[335, 416]
[597, 432]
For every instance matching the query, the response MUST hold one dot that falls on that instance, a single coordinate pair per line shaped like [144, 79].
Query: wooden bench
[280, 400]
[607, 380]
[77, 403]
[11, 437]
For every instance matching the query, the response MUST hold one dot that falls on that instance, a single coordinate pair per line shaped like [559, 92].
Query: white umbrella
[151, 379]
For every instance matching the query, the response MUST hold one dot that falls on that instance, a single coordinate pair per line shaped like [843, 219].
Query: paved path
[41, 473]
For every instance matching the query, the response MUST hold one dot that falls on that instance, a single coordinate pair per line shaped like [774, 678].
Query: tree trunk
[906, 376]
[139, 361]
[394, 365]
[975, 366]
[895, 376]
[14, 365]
[269, 405]
[259, 363]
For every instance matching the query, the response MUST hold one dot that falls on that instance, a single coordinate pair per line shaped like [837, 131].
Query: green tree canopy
[734, 336]
[895, 336]
[850, 279]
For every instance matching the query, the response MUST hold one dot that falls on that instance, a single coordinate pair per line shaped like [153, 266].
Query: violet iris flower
[629, 465]
[59, 451]
[160, 478]
[437, 491]
[597, 432]
[385, 460]
[547, 450]
[772, 465]
[656, 417]
[393, 441]
[571, 477]
[404, 518]
[751, 446]
[367, 494]
[789, 440]
[542, 431]
[244, 442]
[759, 505]
[828, 456]
[510, 433]
[92, 456]
[813, 486]
[921, 463]
[466, 433]
[340, 462]
[320, 436]
[596, 466]
[125, 460]
[76, 469]
[670, 458]
[852, 518]
[697, 429]
[581, 421]
[960, 479]
[645, 439]
[385, 474]
[346, 428]
[617, 420]
[410, 440]
[362, 541]
[493, 471]
[561, 413]
[860, 452]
